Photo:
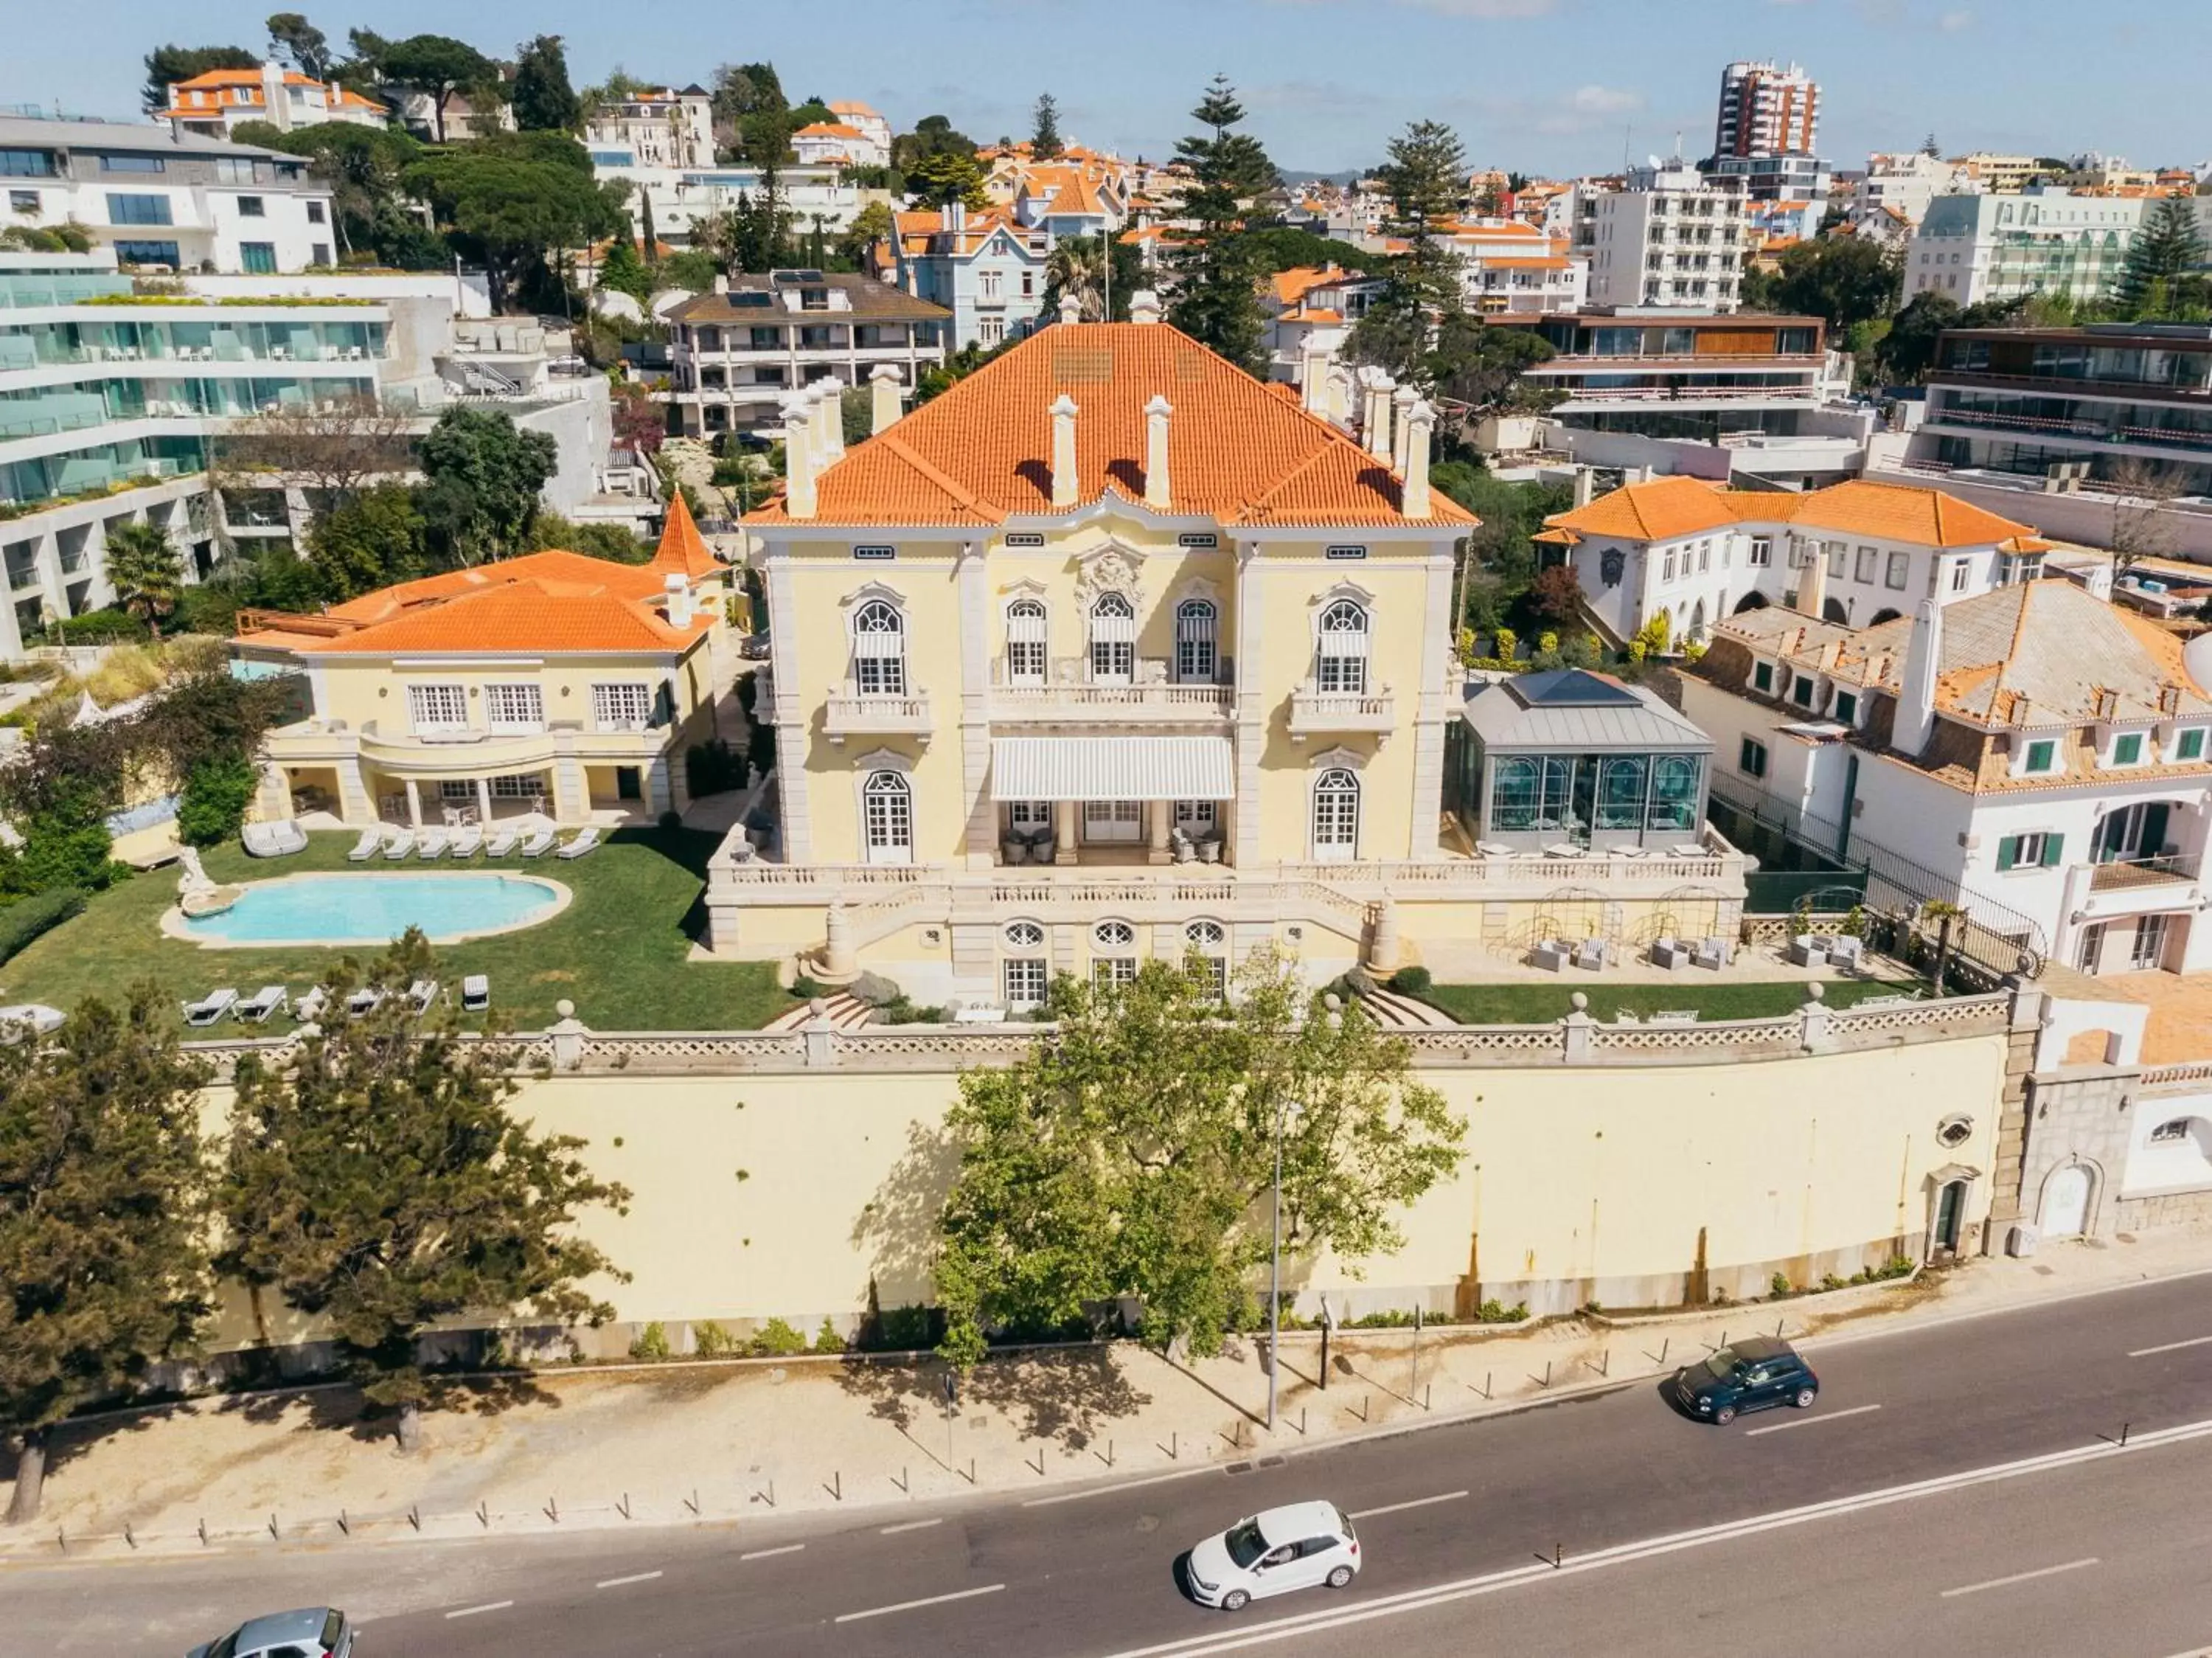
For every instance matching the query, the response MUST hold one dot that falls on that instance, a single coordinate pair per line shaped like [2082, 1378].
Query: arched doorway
[1833, 610]
[1752, 602]
[2066, 1202]
[1698, 623]
[1885, 615]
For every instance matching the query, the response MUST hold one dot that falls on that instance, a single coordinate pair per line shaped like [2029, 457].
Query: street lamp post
[1275, 1275]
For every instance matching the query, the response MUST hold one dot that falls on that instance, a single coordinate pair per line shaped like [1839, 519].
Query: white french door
[1113, 820]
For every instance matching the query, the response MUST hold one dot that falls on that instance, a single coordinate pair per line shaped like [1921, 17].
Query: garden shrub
[1413, 981]
[826, 1339]
[714, 768]
[778, 1339]
[652, 1343]
[710, 1340]
[26, 917]
[213, 805]
[101, 627]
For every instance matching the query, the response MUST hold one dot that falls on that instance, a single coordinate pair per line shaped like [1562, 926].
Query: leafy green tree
[482, 477]
[213, 804]
[1216, 266]
[743, 89]
[440, 66]
[932, 135]
[609, 541]
[1844, 280]
[541, 97]
[2164, 276]
[103, 1211]
[167, 65]
[624, 271]
[377, 1180]
[293, 38]
[1479, 367]
[362, 167]
[1281, 248]
[947, 176]
[1044, 133]
[871, 225]
[1077, 267]
[375, 537]
[1132, 1155]
[146, 571]
[1907, 352]
[515, 199]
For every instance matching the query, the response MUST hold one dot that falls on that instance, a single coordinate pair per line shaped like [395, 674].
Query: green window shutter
[2008, 852]
[2052, 846]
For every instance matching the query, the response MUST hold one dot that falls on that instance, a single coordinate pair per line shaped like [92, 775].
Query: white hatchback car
[1296, 1546]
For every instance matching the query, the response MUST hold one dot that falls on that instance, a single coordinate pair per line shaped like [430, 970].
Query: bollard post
[695, 1502]
[128, 1536]
[2124, 1436]
[204, 1542]
[343, 1525]
[274, 1534]
[483, 1515]
[1302, 1422]
[837, 1486]
[1778, 1323]
[1428, 1398]
[623, 1507]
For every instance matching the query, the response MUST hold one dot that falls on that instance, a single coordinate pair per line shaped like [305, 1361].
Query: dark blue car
[1749, 1375]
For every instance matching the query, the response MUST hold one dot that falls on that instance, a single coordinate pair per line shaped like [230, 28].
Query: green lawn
[617, 951]
[1538, 1004]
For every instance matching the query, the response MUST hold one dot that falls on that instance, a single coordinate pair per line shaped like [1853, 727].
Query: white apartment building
[2043, 750]
[156, 198]
[1672, 237]
[865, 119]
[987, 270]
[1972, 248]
[1510, 269]
[663, 128]
[838, 143]
[741, 349]
[1857, 553]
[215, 105]
[679, 197]
[107, 409]
[1766, 109]
[1907, 184]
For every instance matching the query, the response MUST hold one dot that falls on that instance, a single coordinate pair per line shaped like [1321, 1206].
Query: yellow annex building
[551, 686]
[1112, 651]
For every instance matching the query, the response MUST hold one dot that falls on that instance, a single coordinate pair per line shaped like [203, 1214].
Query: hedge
[26, 917]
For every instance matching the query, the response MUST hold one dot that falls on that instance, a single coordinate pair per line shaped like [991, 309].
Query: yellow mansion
[1113, 651]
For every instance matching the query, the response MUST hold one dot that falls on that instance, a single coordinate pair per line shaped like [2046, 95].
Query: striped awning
[1112, 768]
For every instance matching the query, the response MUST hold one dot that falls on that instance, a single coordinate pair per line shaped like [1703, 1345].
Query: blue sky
[1543, 86]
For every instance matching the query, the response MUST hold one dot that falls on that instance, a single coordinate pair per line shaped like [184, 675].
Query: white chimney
[1071, 308]
[884, 393]
[828, 419]
[1915, 722]
[1143, 306]
[1313, 378]
[274, 104]
[799, 455]
[1157, 493]
[1065, 488]
[1419, 425]
[1376, 425]
[955, 220]
[1401, 401]
[678, 600]
[721, 282]
[1813, 581]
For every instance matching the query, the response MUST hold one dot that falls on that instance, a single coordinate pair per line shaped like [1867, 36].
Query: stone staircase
[1394, 1012]
[845, 1012]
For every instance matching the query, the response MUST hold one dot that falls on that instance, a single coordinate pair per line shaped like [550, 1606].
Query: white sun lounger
[421, 994]
[500, 842]
[370, 843]
[367, 999]
[587, 840]
[476, 993]
[537, 844]
[273, 840]
[264, 1001]
[468, 841]
[399, 844]
[209, 1008]
[431, 844]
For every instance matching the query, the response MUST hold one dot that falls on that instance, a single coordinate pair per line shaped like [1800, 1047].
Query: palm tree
[1077, 265]
[143, 567]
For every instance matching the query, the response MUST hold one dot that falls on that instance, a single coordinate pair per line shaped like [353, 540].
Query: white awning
[1112, 768]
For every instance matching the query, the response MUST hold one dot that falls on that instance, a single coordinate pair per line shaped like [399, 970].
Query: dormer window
[1762, 677]
[2041, 758]
[2189, 743]
[2128, 748]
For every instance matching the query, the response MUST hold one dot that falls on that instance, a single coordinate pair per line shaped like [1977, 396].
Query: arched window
[1673, 792]
[1205, 935]
[2167, 1133]
[1194, 642]
[880, 649]
[1024, 936]
[1336, 815]
[1115, 961]
[1698, 623]
[1113, 935]
[1342, 665]
[1025, 643]
[1113, 639]
[887, 818]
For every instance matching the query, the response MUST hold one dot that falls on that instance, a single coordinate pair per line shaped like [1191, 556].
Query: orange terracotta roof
[1311, 314]
[552, 602]
[1551, 262]
[981, 451]
[684, 551]
[1667, 507]
[1291, 286]
[828, 130]
[850, 107]
[241, 89]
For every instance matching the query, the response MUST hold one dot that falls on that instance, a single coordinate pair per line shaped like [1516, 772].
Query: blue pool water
[374, 909]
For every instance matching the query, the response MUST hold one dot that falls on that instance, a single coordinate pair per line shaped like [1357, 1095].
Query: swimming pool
[374, 908]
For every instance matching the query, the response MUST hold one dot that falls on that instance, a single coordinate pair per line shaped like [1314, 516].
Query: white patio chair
[367, 847]
[399, 844]
[587, 840]
[262, 1003]
[211, 1007]
[500, 843]
[476, 993]
[536, 844]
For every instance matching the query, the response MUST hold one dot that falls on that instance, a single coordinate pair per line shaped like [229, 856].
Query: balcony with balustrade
[850, 711]
[1319, 712]
[1070, 695]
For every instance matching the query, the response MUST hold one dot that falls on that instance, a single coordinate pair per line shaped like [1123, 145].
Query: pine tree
[2165, 267]
[1422, 289]
[1217, 265]
[542, 98]
[1044, 137]
[103, 1205]
[379, 1182]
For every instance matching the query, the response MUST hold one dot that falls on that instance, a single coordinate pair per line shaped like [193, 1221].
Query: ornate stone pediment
[1113, 569]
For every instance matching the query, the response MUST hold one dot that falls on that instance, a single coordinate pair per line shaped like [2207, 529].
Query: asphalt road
[1088, 1572]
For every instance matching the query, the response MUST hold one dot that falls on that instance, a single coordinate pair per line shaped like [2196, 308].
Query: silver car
[309, 1632]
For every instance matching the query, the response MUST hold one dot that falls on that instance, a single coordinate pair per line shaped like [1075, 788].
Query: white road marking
[1438, 1594]
[2171, 1347]
[911, 1526]
[635, 1577]
[2017, 1577]
[1809, 1422]
[762, 1554]
[908, 1605]
[471, 1612]
[1418, 1503]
